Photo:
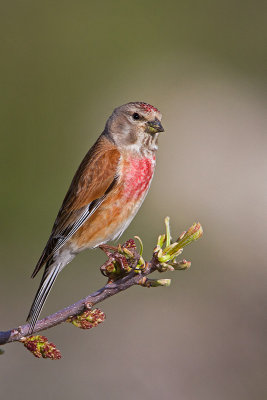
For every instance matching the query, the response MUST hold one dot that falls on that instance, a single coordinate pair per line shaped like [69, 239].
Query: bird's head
[135, 126]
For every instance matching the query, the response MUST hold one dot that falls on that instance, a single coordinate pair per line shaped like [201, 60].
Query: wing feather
[95, 177]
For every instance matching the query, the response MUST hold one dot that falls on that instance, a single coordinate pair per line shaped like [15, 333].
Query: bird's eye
[136, 116]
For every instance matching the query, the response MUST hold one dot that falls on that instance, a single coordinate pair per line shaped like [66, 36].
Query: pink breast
[137, 173]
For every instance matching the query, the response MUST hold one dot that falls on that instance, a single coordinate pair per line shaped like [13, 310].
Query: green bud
[168, 231]
[161, 240]
[159, 282]
[194, 233]
[181, 265]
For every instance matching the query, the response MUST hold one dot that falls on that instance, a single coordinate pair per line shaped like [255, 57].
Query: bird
[105, 194]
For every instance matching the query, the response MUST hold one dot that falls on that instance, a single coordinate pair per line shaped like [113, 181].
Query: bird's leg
[121, 260]
[106, 247]
[106, 266]
[116, 264]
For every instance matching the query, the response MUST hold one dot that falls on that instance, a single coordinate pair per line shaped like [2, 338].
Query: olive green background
[64, 66]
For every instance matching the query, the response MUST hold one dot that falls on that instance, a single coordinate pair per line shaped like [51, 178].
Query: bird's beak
[154, 126]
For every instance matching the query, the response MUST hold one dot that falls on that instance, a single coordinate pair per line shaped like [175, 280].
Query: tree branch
[124, 268]
[87, 302]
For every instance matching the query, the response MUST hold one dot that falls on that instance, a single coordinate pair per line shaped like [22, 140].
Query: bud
[130, 244]
[193, 233]
[88, 319]
[128, 253]
[170, 253]
[161, 240]
[110, 268]
[163, 267]
[168, 231]
[181, 265]
[40, 347]
[158, 282]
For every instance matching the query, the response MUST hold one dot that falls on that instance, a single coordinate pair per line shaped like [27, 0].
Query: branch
[84, 304]
[124, 268]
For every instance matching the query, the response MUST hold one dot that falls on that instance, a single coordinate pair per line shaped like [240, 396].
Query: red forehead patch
[147, 107]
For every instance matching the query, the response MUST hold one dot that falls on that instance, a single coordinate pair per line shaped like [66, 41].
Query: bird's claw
[121, 260]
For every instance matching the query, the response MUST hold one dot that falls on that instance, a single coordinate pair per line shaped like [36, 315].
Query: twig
[124, 268]
[100, 295]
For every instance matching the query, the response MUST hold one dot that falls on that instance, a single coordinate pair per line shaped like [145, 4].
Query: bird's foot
[106, 248]
[116, 265]
[121, 260]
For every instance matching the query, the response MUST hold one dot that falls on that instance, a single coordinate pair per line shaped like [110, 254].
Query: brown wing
[94, 178]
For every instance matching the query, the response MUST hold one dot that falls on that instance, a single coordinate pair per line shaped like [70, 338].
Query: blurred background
[64, 67]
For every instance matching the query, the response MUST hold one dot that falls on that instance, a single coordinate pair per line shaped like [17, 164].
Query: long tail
[46, 284]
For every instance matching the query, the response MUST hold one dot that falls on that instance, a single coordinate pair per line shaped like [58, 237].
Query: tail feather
[46, 284]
